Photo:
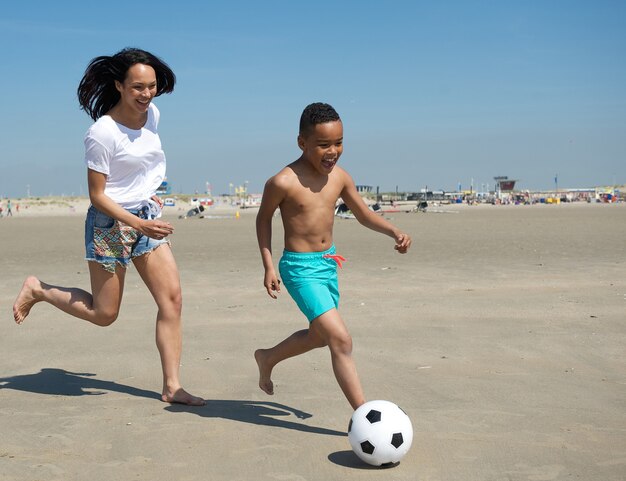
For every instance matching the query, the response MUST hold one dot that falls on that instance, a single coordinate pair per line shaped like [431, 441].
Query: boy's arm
[272, 197]
[369, 219]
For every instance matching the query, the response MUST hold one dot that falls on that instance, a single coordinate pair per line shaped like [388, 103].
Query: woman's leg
[101, 307]
[159, 272]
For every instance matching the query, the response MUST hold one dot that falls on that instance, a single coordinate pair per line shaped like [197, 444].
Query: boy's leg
[327, 329]
[100, 308]
[159, 272]
[331, 328]
[298, 343]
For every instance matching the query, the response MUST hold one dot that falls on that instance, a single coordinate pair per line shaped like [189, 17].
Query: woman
[125, 166]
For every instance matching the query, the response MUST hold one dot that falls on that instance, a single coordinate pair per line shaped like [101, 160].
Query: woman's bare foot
[181, 396]
[265, 372]
[26, 299]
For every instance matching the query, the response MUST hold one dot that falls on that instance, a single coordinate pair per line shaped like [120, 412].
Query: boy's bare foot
[26, 299]
[182, 397]
[265, 372]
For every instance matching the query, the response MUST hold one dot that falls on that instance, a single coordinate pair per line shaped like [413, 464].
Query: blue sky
[431, 93]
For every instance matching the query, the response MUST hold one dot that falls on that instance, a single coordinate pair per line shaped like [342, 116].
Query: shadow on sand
[262, 413]
[348, 459]
[59, 382]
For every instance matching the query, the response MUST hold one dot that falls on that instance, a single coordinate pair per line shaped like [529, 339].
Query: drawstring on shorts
[336, 257]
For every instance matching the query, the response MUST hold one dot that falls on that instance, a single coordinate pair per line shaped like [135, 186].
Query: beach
[501, 334]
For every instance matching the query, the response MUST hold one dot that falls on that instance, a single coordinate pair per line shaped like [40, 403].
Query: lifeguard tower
[504, 184]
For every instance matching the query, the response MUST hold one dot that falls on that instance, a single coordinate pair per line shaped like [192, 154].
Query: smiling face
[322, 145]
[138, 89]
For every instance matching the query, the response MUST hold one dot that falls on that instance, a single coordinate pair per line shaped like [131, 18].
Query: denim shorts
[110, 242]
[311, 280]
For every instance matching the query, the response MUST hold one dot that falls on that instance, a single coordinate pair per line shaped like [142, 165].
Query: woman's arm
[96, 182]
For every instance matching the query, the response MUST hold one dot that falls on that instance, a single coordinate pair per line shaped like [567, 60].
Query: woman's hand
[158, 200]
[155, 229]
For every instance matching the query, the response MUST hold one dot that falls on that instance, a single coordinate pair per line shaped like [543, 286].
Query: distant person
[9, 211]
[125, 165]
[306, 191]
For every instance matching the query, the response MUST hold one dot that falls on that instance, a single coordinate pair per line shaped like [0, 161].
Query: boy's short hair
[317, 113]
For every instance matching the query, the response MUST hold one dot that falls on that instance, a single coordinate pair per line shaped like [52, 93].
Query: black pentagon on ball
[397, 440]
[373, 416]
[367, 447]
[350, 426]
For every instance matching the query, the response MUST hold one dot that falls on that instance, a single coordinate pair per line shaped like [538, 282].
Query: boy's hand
[403, 242]
[272, 284]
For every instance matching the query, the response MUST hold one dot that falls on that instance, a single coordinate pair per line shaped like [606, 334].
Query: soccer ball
[380, 433]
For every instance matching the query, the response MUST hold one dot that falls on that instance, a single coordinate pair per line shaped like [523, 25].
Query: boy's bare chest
[308, 200]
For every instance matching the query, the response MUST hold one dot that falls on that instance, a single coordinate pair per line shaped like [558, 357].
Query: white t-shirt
[132, 160]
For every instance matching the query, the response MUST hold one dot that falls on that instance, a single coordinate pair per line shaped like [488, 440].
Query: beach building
[504, 184]
[165, 188]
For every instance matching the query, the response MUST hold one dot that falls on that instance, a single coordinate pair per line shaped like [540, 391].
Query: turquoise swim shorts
[311, 280]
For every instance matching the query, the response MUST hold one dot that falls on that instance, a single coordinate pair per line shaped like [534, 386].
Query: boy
[306, 192]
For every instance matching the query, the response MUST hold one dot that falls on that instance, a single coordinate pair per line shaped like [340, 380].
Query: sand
[501, 334]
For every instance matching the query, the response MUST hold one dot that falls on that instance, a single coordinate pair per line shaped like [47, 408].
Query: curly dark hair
[97, 93]
[317, 113]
